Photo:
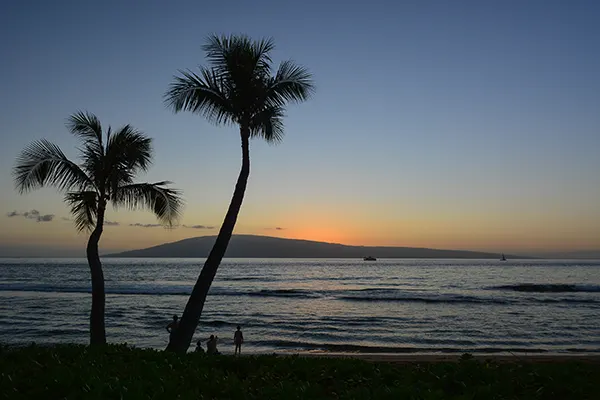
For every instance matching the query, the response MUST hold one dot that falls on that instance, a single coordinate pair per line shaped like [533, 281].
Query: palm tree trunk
[97, 331]
[180, 341]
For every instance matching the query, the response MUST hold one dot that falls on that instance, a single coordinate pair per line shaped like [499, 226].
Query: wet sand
[435, 358]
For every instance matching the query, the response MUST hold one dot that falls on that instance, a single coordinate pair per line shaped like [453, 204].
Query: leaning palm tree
[239, 88]
[110, 162]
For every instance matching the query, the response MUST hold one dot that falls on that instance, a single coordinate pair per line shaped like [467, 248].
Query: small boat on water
[503, 258]
[370, 258]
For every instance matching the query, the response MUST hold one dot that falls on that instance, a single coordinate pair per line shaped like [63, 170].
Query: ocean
[298, 305]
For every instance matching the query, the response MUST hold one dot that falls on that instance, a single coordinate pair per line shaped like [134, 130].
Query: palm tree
[110, 162]
[238, 88]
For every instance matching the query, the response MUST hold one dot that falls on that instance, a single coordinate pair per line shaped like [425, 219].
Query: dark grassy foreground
[77, 372]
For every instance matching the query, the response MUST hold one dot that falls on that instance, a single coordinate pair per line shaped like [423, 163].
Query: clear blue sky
[453, 124]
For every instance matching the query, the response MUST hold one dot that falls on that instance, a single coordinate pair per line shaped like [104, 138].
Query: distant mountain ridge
[254, 246]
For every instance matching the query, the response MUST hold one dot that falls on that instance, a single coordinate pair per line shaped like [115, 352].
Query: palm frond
[108, 134]
[268, 124]
[128, 151]
[164, 202]
[131, 147]
[292, 83]
[87, 126]
[43, 163]
[238, 87]
[238, 56]
[262, 54]
[84, 207]
[204, 94]
[92, 157]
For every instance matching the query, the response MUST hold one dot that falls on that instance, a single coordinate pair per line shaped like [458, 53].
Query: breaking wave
[282, 293]
[548, 288]
[373, 295]
[291, 345]
[426, 299]
[153, 290]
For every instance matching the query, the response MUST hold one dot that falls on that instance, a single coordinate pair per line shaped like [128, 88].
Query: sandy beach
[435, 358]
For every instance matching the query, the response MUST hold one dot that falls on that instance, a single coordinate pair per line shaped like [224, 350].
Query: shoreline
[384, 357]
[453, 358]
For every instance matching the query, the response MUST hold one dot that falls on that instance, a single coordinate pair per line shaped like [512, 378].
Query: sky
[455, 125]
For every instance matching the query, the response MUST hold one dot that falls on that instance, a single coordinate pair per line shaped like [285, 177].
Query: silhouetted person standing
[211, 345]
[172, 327]
[238, 339]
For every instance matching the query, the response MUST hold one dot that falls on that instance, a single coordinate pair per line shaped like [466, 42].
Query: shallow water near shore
[290, 305]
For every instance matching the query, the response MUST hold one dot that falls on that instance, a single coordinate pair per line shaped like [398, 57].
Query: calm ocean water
[305, 304]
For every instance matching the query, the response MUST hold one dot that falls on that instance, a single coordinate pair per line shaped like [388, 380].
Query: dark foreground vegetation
[77, 372]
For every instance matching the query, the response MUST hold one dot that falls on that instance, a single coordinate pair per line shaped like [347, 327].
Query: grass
[78, 372]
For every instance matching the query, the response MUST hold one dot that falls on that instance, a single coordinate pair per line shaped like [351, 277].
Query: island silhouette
[255, 246]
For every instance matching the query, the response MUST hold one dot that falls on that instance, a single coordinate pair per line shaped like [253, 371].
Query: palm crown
[109, 165]
[239, 86]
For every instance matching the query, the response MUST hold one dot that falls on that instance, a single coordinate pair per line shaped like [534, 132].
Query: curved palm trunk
[97, 331]
[182, 337]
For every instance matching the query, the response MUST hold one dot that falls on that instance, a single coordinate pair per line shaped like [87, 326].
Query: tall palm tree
[238, 88]
[110, 162]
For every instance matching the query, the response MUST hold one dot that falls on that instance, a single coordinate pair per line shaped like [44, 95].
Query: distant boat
[503, 258]
[370, 258]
